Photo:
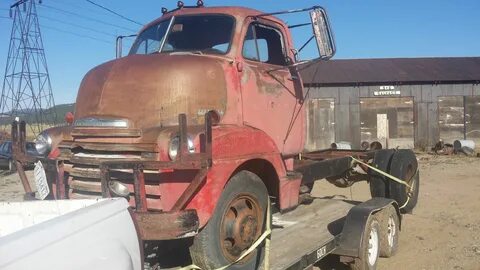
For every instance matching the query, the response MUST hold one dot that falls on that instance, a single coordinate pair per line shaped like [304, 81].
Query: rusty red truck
[204, 121]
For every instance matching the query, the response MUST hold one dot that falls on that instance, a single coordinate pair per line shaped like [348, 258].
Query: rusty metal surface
[393, 70]
[163, 92]
[18, 133]
[166, 226]
[184, 160]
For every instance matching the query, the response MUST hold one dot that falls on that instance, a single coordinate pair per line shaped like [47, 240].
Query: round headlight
[174, 147]
[43, 144]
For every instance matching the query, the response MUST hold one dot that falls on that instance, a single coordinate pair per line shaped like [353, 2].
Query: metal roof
[392, 71]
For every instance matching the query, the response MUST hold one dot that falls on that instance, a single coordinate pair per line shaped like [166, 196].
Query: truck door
[270, 101]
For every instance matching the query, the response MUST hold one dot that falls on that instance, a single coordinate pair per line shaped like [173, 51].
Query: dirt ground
[442, 233]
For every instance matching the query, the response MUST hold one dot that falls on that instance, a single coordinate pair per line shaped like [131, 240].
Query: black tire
[379, 184]
[404, 166]
[12, 166]
[209, 250]
[363, 262]
[389, 231]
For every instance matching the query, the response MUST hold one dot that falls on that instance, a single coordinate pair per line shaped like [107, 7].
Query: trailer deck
[307, 234]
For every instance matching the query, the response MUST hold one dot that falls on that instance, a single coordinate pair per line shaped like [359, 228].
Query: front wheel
[237, 222]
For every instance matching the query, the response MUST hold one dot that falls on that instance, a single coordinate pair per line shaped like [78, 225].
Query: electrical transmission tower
[27, 92]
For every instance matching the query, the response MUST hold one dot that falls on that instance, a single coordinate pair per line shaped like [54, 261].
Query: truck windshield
[205, 34]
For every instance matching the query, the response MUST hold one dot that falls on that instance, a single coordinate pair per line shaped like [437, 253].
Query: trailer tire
[242, 205]
[379, 185]
[370, 246]
[404, 166]
[389, 231]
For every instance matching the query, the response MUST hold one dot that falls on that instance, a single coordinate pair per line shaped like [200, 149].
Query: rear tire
[370, 247]
[404, 166]
[237, 222]
[389, 230]
[379, 184]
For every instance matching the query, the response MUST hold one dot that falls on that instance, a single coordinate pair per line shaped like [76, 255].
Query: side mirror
[323, 33]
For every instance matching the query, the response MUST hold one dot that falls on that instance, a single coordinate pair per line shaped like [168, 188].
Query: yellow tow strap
[262, 237]
[398, 180]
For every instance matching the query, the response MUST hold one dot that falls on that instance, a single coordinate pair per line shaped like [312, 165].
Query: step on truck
[202, 127]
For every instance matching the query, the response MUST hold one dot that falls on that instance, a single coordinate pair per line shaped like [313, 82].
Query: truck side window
[264, 44]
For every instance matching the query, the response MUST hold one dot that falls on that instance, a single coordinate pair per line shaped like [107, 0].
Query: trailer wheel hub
[241, 226]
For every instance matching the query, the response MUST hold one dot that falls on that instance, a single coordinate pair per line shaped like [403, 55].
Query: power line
[87, 18]
[75, 3]
[113, 12]
[76, 34]
[79, 26]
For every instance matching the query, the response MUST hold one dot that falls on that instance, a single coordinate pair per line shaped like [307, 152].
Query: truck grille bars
[184, 161]
[54, 168]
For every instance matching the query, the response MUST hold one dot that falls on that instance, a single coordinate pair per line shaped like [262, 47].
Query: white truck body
[70, 234]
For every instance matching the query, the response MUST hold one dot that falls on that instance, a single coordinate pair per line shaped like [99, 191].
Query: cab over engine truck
[200, 124]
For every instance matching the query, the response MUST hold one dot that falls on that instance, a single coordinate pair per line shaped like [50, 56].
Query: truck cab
[230, 62]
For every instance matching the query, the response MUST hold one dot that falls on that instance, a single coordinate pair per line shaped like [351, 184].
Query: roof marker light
[180, 4]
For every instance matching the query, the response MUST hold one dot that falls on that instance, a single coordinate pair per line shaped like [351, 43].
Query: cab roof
[238, 12]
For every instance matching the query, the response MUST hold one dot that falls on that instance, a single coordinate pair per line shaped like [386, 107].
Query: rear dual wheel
[403, 165]
[238, 221]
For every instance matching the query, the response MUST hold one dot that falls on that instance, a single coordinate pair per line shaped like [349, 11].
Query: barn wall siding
[426, 128]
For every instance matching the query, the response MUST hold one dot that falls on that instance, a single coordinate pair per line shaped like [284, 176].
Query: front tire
[237, 222]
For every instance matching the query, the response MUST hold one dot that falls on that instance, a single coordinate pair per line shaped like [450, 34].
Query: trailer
[358, 232]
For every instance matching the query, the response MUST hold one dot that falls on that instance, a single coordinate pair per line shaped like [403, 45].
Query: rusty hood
[151, 90]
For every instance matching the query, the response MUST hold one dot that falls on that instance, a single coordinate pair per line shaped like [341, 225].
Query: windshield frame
[172, 19]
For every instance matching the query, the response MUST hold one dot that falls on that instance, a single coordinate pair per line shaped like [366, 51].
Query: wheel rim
[241, 226]
[391, 231]
[372, 246]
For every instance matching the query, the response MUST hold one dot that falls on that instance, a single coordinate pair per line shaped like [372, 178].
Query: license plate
[41, 181]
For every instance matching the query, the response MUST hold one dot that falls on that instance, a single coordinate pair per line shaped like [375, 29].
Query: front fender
[232, 147]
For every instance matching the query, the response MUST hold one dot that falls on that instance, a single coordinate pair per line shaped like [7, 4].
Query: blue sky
[363, 29]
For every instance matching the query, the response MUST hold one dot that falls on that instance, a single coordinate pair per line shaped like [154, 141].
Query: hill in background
[30, 117]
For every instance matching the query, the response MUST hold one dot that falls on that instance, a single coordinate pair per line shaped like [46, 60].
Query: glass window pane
[472, 121]
[451, 118]
[249, 46]
[320, 124]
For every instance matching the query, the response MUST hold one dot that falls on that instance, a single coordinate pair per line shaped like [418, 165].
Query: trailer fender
[350, 240]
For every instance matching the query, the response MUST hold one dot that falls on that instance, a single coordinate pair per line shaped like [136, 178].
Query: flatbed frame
[308, 234]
